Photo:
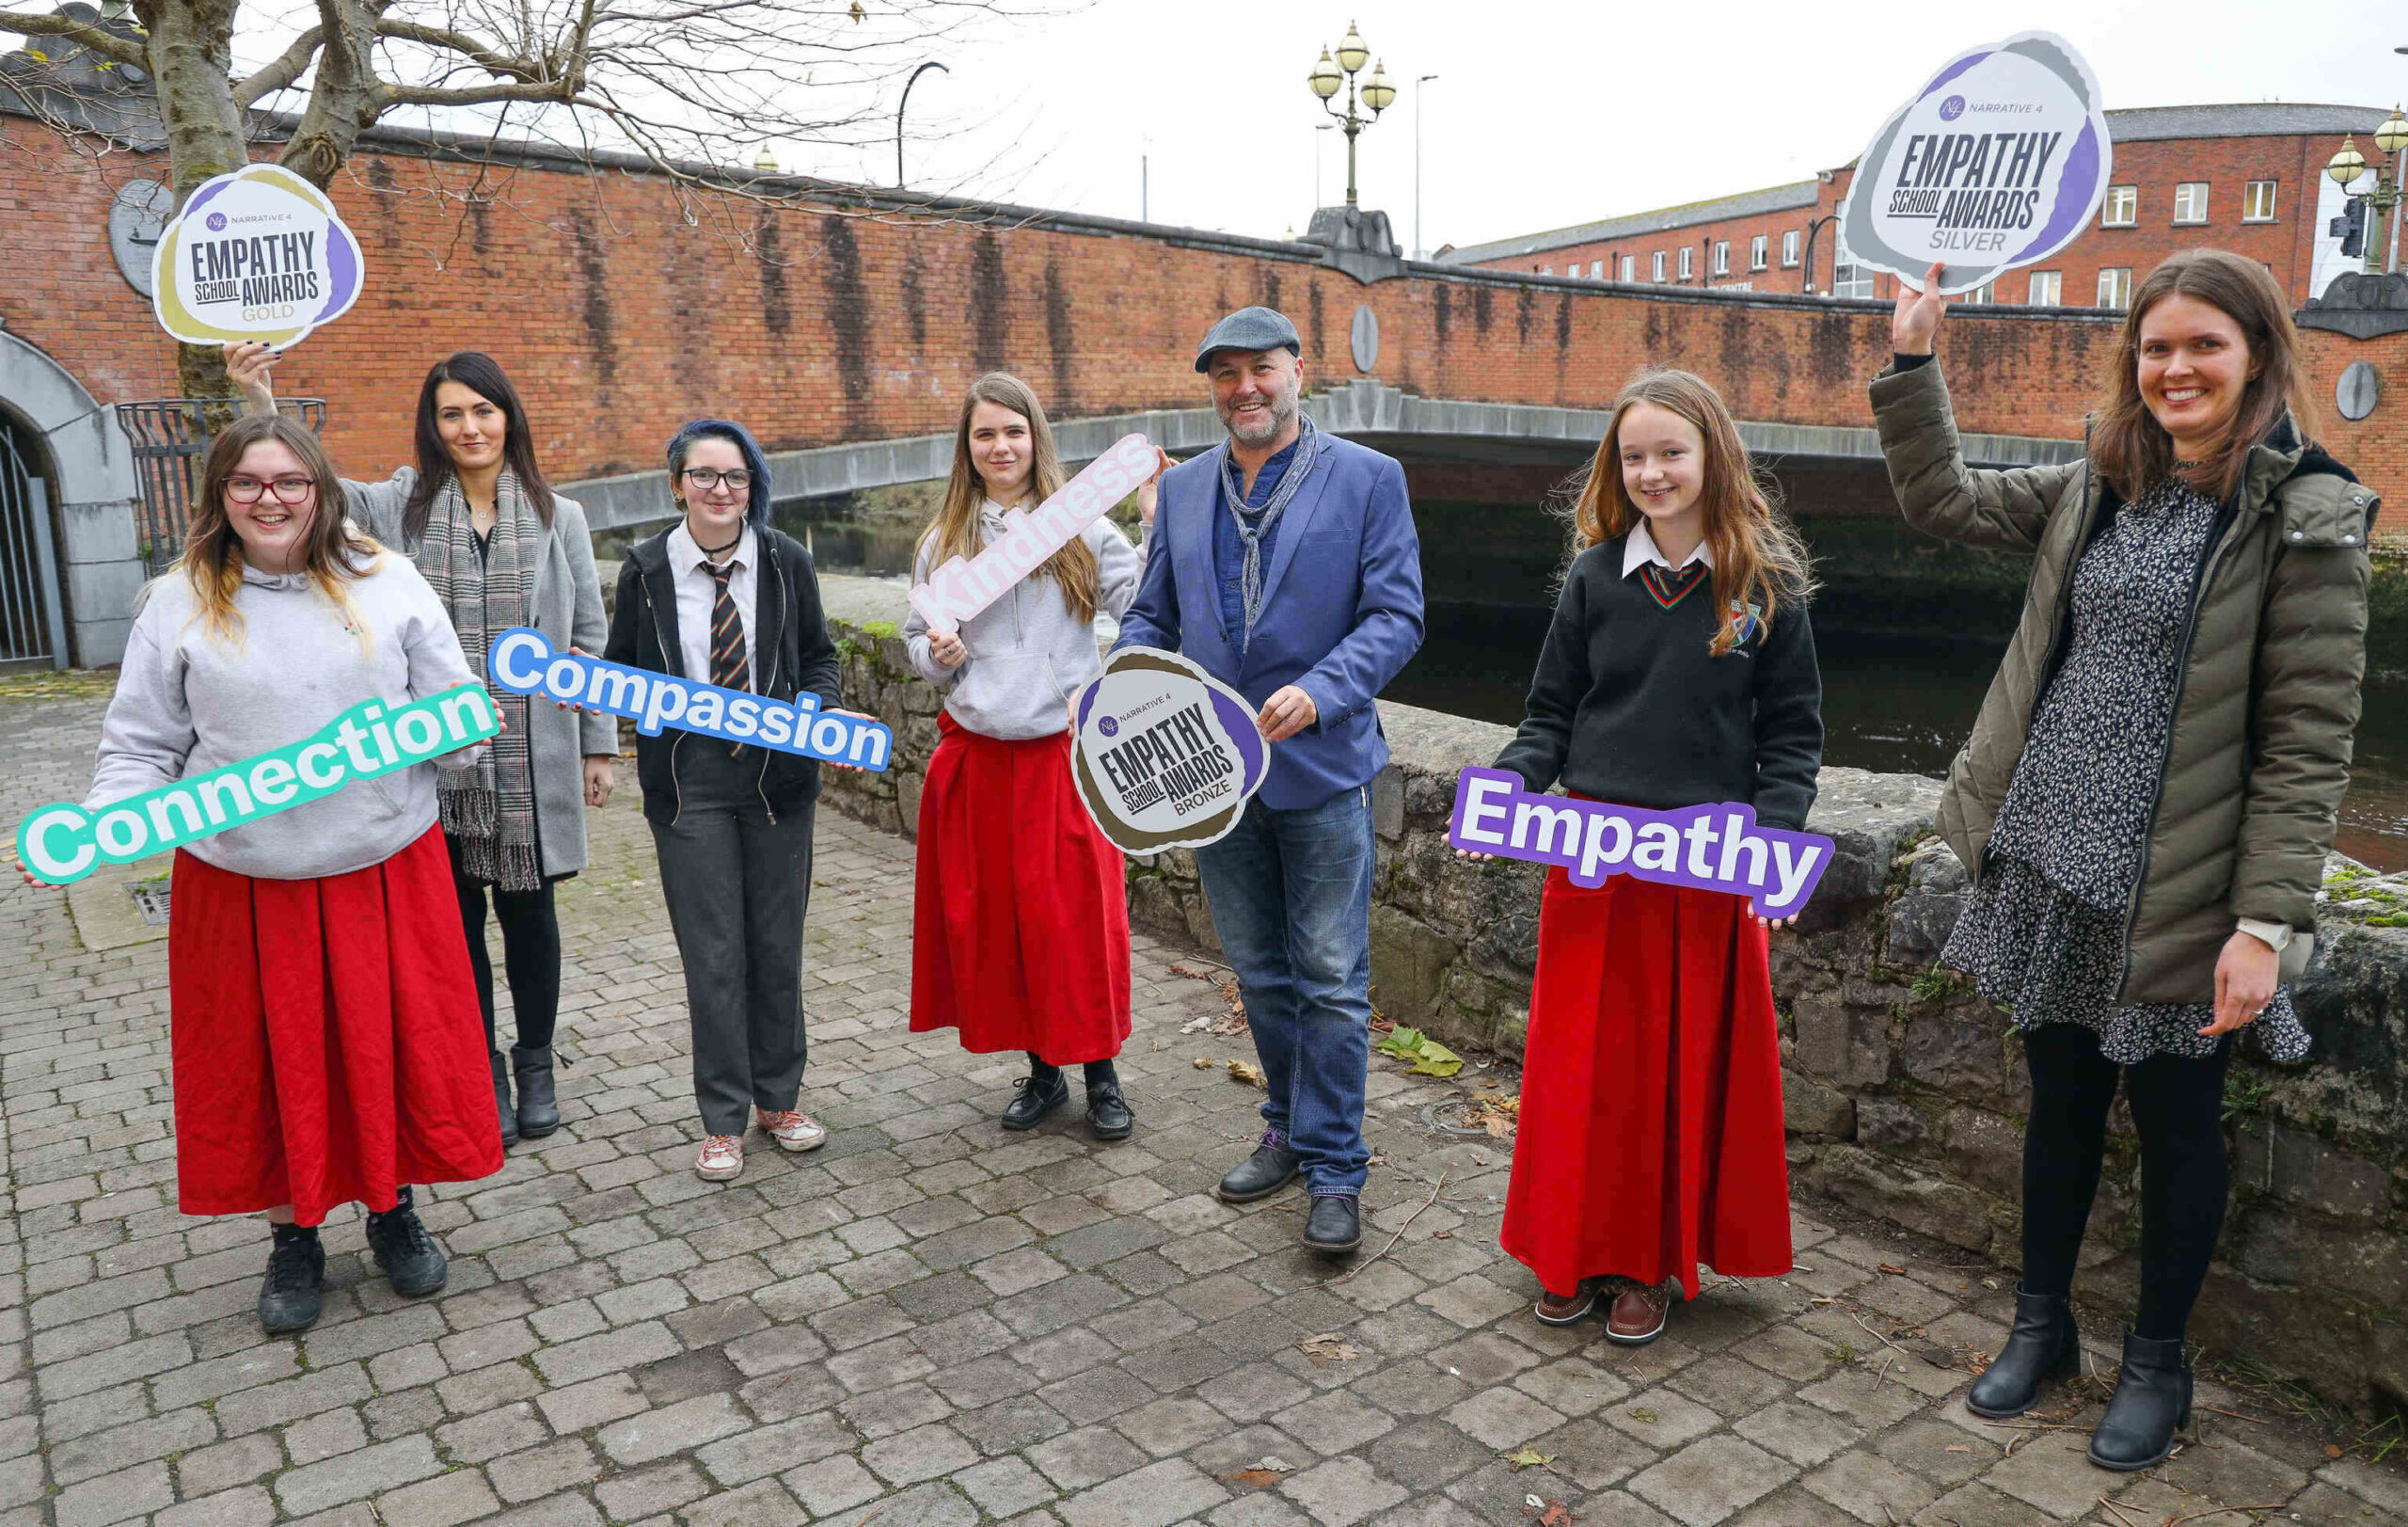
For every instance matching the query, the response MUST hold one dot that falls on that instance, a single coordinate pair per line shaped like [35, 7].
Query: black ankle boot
[1108, 1113]
[1039, 1094]
[406, 1252]
[1265, 1173]
[2043, 1345]
[2152, 1401]
[501, 1099]
[296, 1278]
[539, 1112]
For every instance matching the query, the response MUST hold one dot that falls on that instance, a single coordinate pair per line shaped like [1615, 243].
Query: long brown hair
[954, 531]
[2130, 448]
[1759, 558]
[482, 374]
[334, 553]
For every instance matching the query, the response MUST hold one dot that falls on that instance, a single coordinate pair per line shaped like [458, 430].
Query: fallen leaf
[1325, 1350]
[1203, 1064]
[1255, 1478]
[1643, 1414]
[1528, 1457]
[1194, 1024]
[1444, 1235]
[1191, 973]
[1433, 1059]
[1276, 1464]
[1400, 1042]
[1939, 1356]
[1953, 1447]
[1547, 1512]
[1895, 1272]
[2332, 1451]
[1246, 1072]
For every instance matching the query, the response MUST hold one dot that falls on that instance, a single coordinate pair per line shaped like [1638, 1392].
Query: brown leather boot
[1637, 1317]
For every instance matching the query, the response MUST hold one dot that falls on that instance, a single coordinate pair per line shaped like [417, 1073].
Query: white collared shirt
[1641, 548]
[698, 591]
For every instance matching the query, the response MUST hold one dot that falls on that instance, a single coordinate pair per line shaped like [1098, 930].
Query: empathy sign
[1164, 755]
[961, 588]
[1716, 848]
[1998, 162]
[260, 254]
[63, 842]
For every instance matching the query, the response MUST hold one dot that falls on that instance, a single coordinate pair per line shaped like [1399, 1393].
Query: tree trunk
[342, 95]
[191, 48]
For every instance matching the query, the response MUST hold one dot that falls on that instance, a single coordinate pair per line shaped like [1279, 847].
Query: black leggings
[2178, 1109]
[531, 951]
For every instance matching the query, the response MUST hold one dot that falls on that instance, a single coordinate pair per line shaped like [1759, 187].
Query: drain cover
[150, 897]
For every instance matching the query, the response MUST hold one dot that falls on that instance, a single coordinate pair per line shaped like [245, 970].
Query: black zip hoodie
[792, 652]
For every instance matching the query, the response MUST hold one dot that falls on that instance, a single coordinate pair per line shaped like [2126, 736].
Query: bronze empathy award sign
[1166, 757]
[1998, 162]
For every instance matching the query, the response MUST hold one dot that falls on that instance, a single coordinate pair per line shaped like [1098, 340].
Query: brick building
[2245, 178]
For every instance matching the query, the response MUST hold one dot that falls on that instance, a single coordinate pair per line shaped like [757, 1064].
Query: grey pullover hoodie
[1027, 654]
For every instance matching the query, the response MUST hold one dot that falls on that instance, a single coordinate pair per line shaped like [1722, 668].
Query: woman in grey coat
[500, 549]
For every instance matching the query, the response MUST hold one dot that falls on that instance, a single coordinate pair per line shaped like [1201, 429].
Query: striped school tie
[729, 670]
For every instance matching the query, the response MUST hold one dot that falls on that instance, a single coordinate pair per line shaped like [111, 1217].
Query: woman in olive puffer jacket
[2150, 788]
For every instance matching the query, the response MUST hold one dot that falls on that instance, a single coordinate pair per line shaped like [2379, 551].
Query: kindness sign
[962, 588]
[523, 662]
[1998, 162]
[1716, 848]
[259, 254]
[63, 842]
[1164, 755]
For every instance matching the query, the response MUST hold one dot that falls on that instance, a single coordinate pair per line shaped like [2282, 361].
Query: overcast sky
[1544, 114]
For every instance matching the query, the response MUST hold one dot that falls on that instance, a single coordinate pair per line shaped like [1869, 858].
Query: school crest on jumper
[1164, 755]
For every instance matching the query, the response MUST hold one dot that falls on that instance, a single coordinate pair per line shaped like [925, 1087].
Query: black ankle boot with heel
[539, 1112]
[501, 1098]
[2152, 1401]
[2043, 1345]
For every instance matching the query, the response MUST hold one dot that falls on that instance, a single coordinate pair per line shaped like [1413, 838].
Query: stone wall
[1905, 1093]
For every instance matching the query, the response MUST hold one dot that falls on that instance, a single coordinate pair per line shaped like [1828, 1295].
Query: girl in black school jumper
[1679, 671]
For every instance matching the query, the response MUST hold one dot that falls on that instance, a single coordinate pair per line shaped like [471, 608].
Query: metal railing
[32, 625]
[171, 438]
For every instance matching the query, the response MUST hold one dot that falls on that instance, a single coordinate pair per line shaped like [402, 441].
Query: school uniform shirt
[698, 595]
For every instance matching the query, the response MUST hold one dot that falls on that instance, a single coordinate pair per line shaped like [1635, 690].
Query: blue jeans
[1290, 897]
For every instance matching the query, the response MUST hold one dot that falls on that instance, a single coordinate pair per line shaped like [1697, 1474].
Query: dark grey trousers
[737, 884]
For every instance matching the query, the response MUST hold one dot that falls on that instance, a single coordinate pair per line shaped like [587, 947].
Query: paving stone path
[931, 1323]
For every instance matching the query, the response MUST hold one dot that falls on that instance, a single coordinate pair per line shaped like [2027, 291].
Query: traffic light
[2351, 229]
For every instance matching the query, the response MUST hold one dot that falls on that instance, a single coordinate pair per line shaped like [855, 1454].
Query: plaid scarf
[1300, 467]
[489, 807]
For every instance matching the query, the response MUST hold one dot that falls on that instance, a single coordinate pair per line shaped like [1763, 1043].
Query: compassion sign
[962, 588]
[1164, 755]
[259, 254]
[1998, 162]
[63, 842]
[523, 662]
[1716, 848]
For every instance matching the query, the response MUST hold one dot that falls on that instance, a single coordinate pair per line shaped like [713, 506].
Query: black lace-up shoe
[406, 1252]
[1265, 1173]
[1336, 1225]
[1037, 1099]
[1108, 1112]
[296, 1279]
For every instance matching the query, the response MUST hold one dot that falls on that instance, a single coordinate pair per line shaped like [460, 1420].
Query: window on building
[1722, 257]
[1849, 280]
[1630, 268]
[1789, 249]
[2120, 207]
[2190, 202]
[1546, 270]
[1659, 258]
[1986, 292]
[2048, 289]
[2257, 201]
[2116, 287]
[1597, 270]
[1689, 263]
[1756, 248]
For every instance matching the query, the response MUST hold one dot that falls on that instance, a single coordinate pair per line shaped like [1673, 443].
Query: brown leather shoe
[1637, 1317]
[1566, 1309]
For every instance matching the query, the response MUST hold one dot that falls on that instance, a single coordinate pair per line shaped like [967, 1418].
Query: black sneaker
[406, 1252]
[1037, 1099]
[296, 1279]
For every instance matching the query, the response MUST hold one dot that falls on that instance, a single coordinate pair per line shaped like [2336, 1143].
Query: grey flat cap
[1249, 328]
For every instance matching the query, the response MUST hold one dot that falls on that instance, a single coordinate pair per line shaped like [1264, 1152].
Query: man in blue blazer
[1284, 561]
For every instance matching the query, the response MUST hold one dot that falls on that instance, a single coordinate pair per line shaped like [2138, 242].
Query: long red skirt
[1651, 1129]
[1020, 921]
[326, 1038]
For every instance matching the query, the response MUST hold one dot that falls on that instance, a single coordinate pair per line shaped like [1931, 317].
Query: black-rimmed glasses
[704, 479]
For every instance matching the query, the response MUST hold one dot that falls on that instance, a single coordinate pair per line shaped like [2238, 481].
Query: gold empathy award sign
[1164, 755]
[259, 254]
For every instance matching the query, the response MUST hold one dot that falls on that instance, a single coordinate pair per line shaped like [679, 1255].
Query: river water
[1909, 635]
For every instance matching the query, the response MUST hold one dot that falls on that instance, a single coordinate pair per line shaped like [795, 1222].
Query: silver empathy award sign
[1999, 161]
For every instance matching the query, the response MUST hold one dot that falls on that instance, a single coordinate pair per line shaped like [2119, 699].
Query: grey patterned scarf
[489, 808]
[1251, 536]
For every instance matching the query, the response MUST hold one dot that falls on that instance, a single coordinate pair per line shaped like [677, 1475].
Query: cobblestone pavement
[931, 1322]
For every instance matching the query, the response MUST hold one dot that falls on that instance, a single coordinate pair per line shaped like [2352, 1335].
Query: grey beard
[1283, 413]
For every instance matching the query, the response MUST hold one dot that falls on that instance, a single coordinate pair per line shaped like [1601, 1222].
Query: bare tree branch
[288, 67]
[107, 44]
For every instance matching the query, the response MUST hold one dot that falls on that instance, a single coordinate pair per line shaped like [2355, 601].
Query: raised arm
[374, 507]
[1152, 618]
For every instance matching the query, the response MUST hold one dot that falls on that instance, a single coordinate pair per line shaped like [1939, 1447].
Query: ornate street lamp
[2387, 193]
[1331, 75]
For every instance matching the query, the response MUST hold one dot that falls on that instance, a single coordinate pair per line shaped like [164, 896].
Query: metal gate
[33, 628]
[171, 438]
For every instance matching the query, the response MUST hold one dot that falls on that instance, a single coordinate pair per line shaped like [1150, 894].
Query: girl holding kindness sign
[323, 1032]
[1679, 671]
[2148, 796]
[1019, 920]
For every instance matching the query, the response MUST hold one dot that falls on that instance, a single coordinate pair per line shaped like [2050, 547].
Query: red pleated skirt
[327, 1041]
[1019, 920]
[1651, 1127]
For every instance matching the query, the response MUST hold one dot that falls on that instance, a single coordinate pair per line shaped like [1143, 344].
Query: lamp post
[1376, 92]
[1814, 229]
[898, 114]
[1418, 252]
[2390, 139]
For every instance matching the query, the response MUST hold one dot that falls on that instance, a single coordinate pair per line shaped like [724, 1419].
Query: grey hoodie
[1027, 654]
[188, 702]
